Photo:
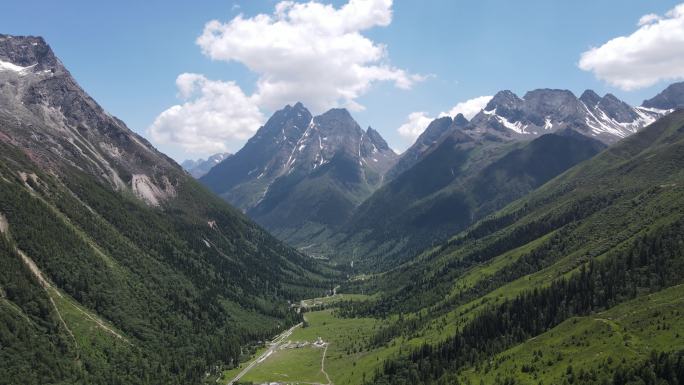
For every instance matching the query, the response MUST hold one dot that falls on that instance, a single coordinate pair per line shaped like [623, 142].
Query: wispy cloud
[416, 122]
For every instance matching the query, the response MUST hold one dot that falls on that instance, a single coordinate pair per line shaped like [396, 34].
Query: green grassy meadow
[348, 359]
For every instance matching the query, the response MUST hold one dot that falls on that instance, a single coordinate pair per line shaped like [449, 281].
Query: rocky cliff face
[293, 142]
[47, 114]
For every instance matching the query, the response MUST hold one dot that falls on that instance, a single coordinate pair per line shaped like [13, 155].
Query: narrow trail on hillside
[4, 227]
[49, 288]
[325, 351]
[101, 324]
[46, 286]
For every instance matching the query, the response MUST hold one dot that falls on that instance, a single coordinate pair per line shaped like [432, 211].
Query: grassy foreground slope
[587, 348]
[606, 231]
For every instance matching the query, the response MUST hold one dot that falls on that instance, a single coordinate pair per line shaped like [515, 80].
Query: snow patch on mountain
[601, 123]
[515, 126]
[547, 123]
[7, 66]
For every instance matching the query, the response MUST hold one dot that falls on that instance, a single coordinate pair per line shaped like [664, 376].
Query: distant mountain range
[606, 118]
[432, 134]
[458, 171]
[326, 186]
[199, 167]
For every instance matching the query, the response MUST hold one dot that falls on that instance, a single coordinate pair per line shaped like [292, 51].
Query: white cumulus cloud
[214, 115]
[652, 53]
[469, 108]
[309, 52]
[417, 122]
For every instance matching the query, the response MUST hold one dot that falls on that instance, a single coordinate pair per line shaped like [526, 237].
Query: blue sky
[129, 54]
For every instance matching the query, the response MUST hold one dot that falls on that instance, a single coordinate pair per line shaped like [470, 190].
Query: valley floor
[274, 346]
[330, 349]
[325, 349]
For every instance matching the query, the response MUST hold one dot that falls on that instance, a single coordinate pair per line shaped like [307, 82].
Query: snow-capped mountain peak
[294, 142]
[541, 111]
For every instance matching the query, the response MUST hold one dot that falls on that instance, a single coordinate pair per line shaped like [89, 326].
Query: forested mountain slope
[116, 267]
[604, 233]
[460, 181]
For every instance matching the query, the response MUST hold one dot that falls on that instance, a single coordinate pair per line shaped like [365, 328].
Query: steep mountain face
[114, 263]
[541, 111]
[56, 122]
[198, 168]
[461, 180]
[671, 98]
[244, 177]
[542, 285]
[376, 153]
[302, 174]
